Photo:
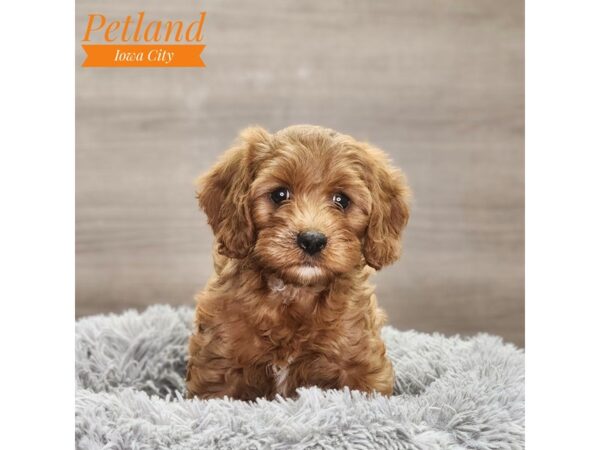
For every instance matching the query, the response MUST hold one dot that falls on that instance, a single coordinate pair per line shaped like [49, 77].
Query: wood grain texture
[439, 85]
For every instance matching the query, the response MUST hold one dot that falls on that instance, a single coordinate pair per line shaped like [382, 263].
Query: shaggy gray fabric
[450, 393]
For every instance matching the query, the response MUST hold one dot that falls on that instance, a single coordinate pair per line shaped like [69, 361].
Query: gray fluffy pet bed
[450, 393]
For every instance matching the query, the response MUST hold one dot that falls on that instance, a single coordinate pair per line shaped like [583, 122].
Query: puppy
[301, 218]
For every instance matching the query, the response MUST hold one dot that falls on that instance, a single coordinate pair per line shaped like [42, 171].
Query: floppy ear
[223, 193]
[389, 210]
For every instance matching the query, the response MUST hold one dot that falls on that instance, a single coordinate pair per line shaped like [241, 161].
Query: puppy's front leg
[334, 372]
[211, 374]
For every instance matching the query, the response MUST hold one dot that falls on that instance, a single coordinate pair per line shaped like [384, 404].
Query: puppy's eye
[280, 194]
[341, 200]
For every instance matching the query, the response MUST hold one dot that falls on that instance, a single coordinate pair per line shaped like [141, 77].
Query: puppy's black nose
[311, 241]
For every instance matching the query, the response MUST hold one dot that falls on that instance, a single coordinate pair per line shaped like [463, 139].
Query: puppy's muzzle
[311, 241]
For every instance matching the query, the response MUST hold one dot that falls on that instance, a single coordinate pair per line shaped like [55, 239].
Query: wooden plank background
[439, 85]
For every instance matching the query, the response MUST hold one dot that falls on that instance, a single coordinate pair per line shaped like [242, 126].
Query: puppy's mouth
[308, 271]
[305, 274]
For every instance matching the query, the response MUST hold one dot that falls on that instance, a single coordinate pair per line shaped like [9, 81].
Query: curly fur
[273, 318]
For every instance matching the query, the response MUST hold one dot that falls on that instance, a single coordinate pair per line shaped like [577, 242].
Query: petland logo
[137, 42]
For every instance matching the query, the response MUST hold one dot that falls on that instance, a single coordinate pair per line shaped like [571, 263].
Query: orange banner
[143, 56]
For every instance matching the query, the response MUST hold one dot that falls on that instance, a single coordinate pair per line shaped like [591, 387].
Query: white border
[37, 141]
[563, 224]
